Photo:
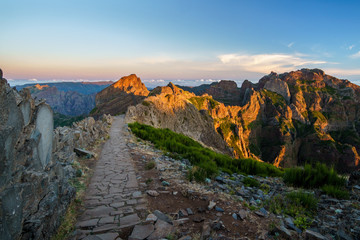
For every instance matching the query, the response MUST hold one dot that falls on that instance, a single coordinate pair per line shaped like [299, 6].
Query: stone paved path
[112, 200]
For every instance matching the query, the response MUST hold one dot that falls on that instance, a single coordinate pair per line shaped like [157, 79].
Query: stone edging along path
[113, 201]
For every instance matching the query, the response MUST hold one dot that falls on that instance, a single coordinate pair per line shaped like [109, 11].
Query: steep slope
[119, 96]
[169, 107]
[287, 119]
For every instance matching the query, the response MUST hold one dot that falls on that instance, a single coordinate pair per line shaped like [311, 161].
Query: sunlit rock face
[116, 98]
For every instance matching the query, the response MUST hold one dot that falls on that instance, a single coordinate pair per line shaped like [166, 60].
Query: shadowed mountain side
[80, 87]
[225, 91]
[68, 103]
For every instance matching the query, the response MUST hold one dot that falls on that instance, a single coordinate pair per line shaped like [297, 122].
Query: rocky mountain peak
[41, 87]
[1, 74]
[116, 98]
[227, 85]
[131, 84]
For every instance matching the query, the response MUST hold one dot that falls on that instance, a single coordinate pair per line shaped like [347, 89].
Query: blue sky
[171, 40]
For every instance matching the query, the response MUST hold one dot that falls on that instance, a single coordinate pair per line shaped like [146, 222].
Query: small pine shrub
[306, 200]
[300, 205]
[251, 182]
[196, 173]
[335, 192]
[313, 177]
[150, 165]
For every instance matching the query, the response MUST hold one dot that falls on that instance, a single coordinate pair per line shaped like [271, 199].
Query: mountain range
[287, 119]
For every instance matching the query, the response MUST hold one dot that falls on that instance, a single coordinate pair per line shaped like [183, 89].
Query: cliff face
[34, 187]
[119, 96]
[287, 119]
[35, 164]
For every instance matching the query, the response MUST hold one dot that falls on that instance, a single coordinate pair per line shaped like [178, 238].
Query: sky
[186, 41]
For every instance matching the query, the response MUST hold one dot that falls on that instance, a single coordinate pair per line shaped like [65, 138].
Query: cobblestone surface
[113, 199]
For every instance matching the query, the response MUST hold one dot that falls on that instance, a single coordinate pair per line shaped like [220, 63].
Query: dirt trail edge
[113, 202]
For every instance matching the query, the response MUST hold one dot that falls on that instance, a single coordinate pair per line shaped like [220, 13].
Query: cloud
[265, 63]
[356, 55]
[342, 72]
[33, 80]
[351, 47]
[290, 44]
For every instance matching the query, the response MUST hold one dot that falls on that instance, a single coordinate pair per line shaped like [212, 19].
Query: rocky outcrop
[115, 99]
[35, 165]
[279, 87]
[34, 187]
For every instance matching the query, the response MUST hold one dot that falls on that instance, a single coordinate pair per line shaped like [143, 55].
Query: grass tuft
[313, 177]
[335, 192]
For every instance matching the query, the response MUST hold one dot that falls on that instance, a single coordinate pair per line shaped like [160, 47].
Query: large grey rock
[279, 87]
[141, 232]
[311, 235]
[45, 124]
[162, 230]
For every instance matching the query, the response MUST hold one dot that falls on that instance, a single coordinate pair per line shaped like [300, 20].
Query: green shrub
[146, 103]
[306, 200]
[251, 182]
[313, 177]
[150, 165]
[335, 192]
[204, 158]
[196, 173]
[275, 98]
[300, 205]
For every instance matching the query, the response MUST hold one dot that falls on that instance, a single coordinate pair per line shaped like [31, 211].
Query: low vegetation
[300, 205]
[335, 191]
[150, 165]
[251, 182]
[206, 164]
[61, 120]
[313, 176]
[83, 174]
[198, 102]
[276, 99]
[207, 161]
